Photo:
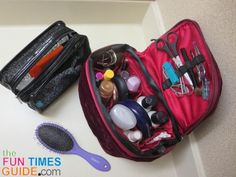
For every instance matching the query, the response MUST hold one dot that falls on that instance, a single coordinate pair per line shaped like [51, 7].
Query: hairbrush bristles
[59, 140]
[55, 137]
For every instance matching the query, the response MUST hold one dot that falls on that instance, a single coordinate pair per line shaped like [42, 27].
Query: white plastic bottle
[134, 136]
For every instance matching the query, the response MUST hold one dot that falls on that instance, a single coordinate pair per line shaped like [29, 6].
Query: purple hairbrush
[58, 139]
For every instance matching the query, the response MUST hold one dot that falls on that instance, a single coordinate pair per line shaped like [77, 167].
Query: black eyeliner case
[59, 73]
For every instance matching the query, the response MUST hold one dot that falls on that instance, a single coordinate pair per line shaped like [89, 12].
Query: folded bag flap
[188, 110]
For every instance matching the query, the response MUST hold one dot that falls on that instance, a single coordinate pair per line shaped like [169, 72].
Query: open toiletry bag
[141, 104]
[47, 66]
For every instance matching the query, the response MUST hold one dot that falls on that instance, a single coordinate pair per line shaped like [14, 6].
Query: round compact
[143, 121]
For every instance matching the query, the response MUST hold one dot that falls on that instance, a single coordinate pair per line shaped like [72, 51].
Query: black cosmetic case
[47, 66]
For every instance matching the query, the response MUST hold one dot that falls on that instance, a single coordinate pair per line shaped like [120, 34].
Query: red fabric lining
[187, 109]
[146, 90]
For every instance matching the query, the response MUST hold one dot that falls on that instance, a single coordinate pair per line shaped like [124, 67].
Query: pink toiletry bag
[185, 110]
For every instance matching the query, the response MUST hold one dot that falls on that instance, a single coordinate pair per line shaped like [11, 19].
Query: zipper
[45, 32]
[54, 68]
[217, 83]
[20, 74]
[44, 77]
[215, 75]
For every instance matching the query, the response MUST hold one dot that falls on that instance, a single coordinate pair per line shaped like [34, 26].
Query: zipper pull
[37, 104]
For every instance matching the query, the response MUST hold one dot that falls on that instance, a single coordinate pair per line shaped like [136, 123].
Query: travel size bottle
[157, 118]
[106, 89]
[134, 136]
[147, 102]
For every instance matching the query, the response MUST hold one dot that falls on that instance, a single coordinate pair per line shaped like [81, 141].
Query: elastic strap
[188, 65]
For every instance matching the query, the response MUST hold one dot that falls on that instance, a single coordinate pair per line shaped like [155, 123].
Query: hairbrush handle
[95, 160]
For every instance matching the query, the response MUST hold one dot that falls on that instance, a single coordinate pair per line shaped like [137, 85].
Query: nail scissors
[169, 45]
